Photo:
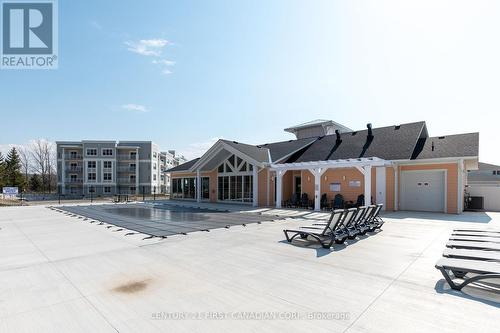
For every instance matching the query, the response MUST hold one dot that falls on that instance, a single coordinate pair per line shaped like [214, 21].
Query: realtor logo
[29, 35]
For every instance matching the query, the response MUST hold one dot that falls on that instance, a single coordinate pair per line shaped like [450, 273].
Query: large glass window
[205, 188]
[235, 180]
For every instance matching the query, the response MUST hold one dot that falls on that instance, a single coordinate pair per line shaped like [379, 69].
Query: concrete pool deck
[63, 274]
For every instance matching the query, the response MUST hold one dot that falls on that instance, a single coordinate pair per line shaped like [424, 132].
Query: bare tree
[43, 155]
[25, 157]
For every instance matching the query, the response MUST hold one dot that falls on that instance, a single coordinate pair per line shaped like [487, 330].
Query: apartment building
[111, 167]
[169, 159]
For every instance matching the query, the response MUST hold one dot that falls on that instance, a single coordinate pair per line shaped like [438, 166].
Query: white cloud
[196, 149]
[95, 25]
[147, 47]
[135, 107]
[165, 62]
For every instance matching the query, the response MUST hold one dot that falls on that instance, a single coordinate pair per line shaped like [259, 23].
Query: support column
[198, 186]
[136, 171]
[279, 189]
[63, 173]
[255, 186]
[368, 184]
[317, 189]
[396, 187]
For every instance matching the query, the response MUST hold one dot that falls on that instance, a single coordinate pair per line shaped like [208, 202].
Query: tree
[25, 158]
[2, 170]
[43, 156]
[35, 183]
[13, 175]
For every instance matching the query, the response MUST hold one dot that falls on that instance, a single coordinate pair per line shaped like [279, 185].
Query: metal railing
[73, 156]
[126, 181]
[125, 157]
[126, 169]
[73, 180]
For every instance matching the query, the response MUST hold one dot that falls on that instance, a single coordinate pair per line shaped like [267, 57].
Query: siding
[342, 176]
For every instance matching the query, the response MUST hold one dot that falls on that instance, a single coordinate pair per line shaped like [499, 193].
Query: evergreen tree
[2, 170]
[35, 183]
[13, 175]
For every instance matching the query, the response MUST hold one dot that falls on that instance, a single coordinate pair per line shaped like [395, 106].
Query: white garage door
[423, 191]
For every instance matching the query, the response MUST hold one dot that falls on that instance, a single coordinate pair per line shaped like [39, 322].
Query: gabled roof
[402, 142]
[388, 143]
[458, 145]
[256, 152]
[284, 149]
[184, 166]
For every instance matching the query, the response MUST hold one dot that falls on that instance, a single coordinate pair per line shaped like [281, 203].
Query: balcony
[74, 169]
[123, 157]
[73, 180]
[126, 181]
[73, 156]
[127, 169]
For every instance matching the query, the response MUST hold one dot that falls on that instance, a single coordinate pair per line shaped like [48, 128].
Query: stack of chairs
[342, 224]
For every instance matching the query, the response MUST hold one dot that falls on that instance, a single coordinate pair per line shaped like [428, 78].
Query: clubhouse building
[399, 166]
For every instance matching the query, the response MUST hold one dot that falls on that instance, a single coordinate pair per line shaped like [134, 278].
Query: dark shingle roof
[390, 143]
[256, 152]
[279, 150]
[184, 166]
[458, 145]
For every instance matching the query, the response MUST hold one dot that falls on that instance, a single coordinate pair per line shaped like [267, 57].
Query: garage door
[423, 191]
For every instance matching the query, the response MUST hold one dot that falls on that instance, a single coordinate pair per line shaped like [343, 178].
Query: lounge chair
[476, 234]
[325, 235]
[375, 220]
[478, 230]
[472, 254]
[359, 220]
[347, 222]
[459, 268]
[467, 238]
[338, 201]
[474, 245]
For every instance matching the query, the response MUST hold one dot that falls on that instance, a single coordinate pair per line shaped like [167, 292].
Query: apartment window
[154, 177]
[73, 166]
[132, 189]
[132, 166]
[154, 166]
[107, 165]
[132, 178]
[91, 164]
[154, 155]
[73, 178]
[91, 152]
[107, 189]
[494, 172]
[73, 154]
[91, 189]
[107, 152]
[73, 190]
[133, 154]
[91, 176]
[107, 176]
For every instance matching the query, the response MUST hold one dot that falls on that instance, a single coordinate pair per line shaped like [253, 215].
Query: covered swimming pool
[165, 220]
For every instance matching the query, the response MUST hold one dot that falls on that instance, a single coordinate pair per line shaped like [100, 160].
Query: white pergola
[318, 168]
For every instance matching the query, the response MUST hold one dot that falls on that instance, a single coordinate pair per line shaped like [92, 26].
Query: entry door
[381, 184]
[298, 186]
[423, 191]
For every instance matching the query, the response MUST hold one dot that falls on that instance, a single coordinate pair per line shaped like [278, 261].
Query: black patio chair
[360, 201]
[324, 202]
[294, 200]
[338, 201]
[304, 201]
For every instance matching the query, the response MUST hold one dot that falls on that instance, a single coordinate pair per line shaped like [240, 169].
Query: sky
[185, 73]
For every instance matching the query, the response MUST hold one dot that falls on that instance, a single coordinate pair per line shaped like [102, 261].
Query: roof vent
[432, 147]
[235, 142]
[354, 133]
[397, 127]
[337, 133]
[441, 137]
[370, 132]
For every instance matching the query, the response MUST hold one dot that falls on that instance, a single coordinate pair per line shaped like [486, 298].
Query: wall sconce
[326, 178]
[343, 177]
[308, 178]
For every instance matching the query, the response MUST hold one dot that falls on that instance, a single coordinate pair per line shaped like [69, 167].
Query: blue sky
[183, 73]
